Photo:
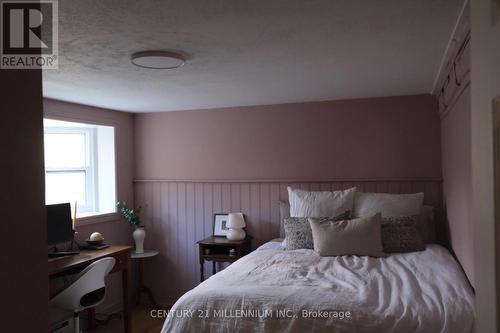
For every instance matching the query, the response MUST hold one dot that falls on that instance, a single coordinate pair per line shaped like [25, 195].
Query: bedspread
[273, 290]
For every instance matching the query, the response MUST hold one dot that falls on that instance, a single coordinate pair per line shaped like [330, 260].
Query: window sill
[89, 219]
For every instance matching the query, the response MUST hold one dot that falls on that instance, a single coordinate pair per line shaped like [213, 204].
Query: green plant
[130, 214]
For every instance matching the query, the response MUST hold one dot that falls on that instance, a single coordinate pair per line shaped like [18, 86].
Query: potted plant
[132, 217]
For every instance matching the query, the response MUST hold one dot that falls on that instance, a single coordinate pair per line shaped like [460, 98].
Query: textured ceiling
[244, 52]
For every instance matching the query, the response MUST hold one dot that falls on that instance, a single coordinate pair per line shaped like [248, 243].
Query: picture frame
[219, 228]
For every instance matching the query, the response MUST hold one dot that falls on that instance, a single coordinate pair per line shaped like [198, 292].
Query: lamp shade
[236, 220]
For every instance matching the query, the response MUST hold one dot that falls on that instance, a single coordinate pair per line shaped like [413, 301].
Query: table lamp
[236, 224]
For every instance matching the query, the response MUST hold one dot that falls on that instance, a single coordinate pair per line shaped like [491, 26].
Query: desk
[61, 266]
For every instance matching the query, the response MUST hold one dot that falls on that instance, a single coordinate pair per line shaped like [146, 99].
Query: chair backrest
[88, 289]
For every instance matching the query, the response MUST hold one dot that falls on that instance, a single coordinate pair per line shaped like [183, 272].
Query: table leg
[201, 252]
[91, 322]
[138, 280]
[152, 300]
[143, 289]
[126, 297]
[213, 268]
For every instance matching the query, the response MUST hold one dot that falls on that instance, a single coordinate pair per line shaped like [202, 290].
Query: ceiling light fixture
[158, 59]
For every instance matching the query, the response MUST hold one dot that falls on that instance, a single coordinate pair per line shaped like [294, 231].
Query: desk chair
[88, 290]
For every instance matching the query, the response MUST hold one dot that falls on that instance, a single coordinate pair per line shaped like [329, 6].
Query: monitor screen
[59, 223]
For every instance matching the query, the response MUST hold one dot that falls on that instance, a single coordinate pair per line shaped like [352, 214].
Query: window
[80, 166]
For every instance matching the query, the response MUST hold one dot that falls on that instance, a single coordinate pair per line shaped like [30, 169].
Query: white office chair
[88, 290]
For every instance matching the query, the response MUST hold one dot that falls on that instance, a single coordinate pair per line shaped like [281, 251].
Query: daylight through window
[80, 166]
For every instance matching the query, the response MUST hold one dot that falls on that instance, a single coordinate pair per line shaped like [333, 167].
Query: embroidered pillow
[298, 231]
[401, 234]
[358, 237]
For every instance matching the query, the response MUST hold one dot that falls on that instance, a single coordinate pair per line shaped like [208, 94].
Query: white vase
[139, 235]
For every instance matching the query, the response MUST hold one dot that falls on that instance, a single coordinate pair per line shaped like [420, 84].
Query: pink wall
[485, 75]
[23, 272]
[457, 183]
[394, 136]
[455, 111]
[192, 164]
[113, 227]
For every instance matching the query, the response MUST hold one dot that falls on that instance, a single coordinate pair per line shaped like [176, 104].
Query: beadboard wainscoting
[177, 214]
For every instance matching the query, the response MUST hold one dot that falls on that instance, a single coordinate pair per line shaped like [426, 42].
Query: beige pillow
[320, 203]
[388, 204]
[360, 237]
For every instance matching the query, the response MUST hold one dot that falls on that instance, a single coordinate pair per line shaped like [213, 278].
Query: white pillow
[320, 203]
[389, 205]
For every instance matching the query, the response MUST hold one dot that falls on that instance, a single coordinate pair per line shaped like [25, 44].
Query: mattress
[273, 290]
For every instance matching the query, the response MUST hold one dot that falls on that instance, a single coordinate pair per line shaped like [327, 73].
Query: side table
[221, 249]
[141, 288]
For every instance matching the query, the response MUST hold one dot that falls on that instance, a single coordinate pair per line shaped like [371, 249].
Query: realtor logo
[29, 35]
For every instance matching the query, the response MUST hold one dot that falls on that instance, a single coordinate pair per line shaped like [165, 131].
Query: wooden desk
[216, 249]
[61, 266]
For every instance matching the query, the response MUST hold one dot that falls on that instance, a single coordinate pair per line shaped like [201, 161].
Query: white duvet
[272, 290]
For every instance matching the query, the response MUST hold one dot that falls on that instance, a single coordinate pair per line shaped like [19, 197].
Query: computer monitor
[59, 223]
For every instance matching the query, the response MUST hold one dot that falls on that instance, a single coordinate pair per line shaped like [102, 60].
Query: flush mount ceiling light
[158, 59]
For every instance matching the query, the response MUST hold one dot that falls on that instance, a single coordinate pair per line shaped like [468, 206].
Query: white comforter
[272, 290]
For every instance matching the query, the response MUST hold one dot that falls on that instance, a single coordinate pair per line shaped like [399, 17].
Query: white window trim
[89, 169]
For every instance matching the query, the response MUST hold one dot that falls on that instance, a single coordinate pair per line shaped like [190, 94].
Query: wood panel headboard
[259, 199]
[177, 213]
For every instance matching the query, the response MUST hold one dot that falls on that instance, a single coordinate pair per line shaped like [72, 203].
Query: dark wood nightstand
[221, 249]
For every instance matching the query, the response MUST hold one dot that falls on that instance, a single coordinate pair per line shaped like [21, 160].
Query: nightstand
[221, 249]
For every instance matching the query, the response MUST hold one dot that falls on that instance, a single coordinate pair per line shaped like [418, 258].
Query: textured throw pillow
[284, 214]
[389, 205]
[320, 203]
[298, 231]
[401, 234]
[359, 237]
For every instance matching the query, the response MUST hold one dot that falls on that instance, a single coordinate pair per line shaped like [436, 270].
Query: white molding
[98, 218]
[291, 180]
[449, 47]
[62, 116]
[458, 93]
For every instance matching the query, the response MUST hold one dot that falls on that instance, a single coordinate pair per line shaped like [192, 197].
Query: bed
[273, 290]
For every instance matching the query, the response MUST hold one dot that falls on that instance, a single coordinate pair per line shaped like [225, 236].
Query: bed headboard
[191, 203]
[177, 213]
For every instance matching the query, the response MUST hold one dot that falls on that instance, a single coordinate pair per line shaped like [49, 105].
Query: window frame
[91, 192]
